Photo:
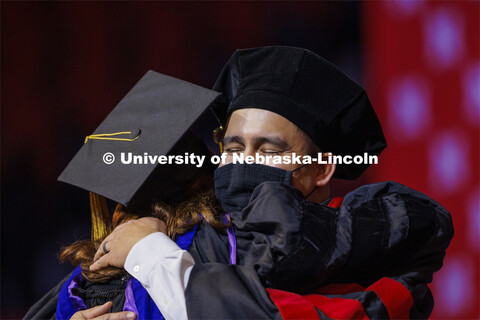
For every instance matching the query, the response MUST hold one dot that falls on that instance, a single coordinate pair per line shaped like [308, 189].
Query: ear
[324, 171]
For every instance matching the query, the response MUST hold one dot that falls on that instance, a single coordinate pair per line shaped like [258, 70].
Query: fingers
[100, 313]
[100, 251]
[125, 315]
[93, 312]
[100, 263]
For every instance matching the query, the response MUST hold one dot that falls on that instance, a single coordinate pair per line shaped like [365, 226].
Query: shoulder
[398, 202]
[209, 245]
[46, 307]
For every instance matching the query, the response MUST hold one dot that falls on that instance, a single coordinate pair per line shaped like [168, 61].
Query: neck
[320, 194]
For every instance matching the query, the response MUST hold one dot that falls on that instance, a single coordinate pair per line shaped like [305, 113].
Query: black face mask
[234, 183]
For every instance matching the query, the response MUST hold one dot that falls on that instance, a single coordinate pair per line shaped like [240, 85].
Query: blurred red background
[65, 65]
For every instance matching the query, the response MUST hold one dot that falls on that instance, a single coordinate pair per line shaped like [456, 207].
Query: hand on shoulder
[113, 251]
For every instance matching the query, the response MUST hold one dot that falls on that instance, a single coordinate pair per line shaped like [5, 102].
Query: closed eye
[269, 151]
[233, 150]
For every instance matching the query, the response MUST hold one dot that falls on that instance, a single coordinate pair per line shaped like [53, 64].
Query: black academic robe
[370, 258]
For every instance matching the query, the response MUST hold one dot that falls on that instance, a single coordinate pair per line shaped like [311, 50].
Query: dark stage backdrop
[65, 65]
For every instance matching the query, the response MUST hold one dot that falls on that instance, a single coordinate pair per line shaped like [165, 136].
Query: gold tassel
[101, 223]
[218, 134]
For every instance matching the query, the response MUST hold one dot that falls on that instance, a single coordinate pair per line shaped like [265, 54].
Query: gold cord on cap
[107, 136]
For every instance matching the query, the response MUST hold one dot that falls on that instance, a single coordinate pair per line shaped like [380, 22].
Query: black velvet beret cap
[332, 109]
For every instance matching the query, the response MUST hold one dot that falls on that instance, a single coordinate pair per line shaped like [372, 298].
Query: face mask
[234, 183]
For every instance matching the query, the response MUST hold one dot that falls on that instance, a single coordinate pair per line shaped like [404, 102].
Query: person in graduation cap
[147, 119]
[294, 252]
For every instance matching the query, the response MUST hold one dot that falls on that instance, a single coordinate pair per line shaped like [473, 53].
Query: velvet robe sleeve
[372, 258]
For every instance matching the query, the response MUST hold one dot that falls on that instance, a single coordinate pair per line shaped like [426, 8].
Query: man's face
[250, 131]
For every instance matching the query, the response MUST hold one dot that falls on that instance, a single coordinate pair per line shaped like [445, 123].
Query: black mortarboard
[306, 89]
[160, 115]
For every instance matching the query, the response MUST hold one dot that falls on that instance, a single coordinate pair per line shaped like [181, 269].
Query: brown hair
[178, 220]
